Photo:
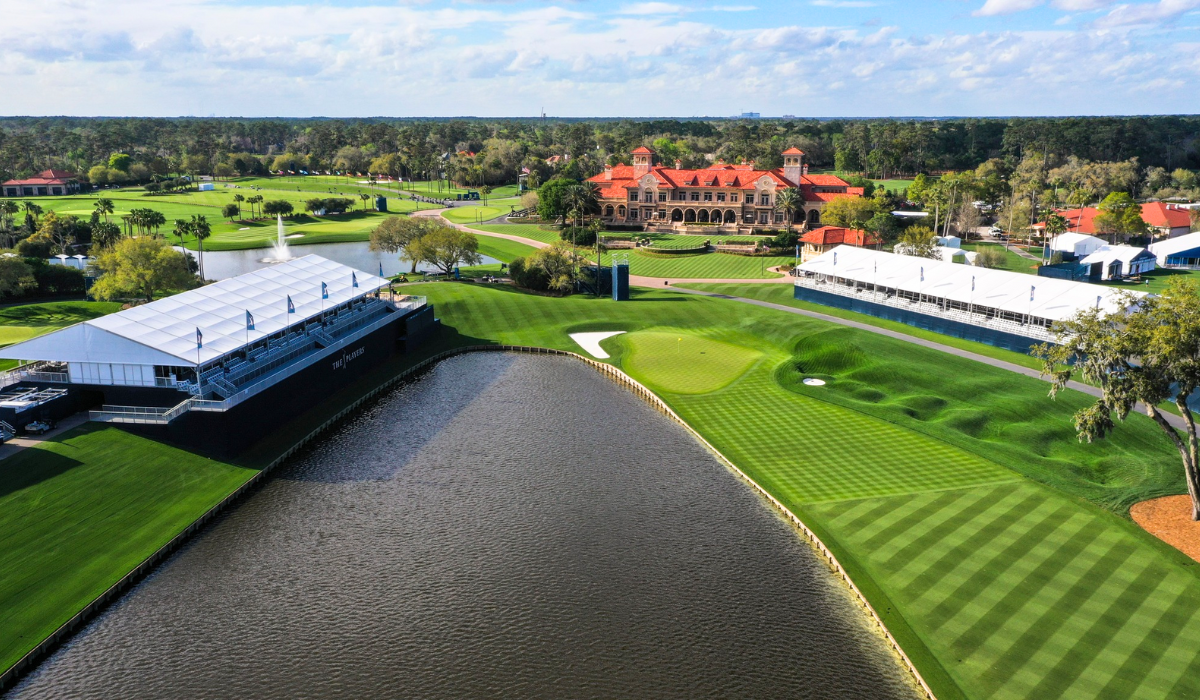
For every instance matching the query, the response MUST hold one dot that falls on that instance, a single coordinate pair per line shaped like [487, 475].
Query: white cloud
[844, 3]
[1005, 7]
[170, 57]
[1148, 13]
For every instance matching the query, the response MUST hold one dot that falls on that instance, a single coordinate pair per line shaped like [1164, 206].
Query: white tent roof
[1054, 299]
[1068, 241]
[163, 332]
[1175, 245]
[1110, 253]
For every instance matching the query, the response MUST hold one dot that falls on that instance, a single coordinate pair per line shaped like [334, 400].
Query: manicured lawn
[533, 232]
[480, 212]
[1012, 261]
[686, 363]
[237, 235]
[648, 264]
[503, 249]
[25, 321]
[703, 265]
[83, 509]
[1155, 282]
[783, 294]
[921, 472]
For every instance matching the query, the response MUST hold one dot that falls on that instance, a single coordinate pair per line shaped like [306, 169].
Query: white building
[1080, 245]
[1007, 309]
[1182, 252]
[1119, 261]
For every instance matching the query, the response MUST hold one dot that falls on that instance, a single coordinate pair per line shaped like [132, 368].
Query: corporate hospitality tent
[1182, 251]
[951, 287]
[1079, 245]
[1117, 261]
[201, 325]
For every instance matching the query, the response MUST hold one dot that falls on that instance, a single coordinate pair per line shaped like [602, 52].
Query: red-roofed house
[732, 197]
[824, 239]
[44, 184]
[1167, 220]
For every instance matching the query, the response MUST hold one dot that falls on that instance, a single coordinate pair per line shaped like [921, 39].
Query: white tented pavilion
[1010, 302]
[215, 339]
[1117, 261]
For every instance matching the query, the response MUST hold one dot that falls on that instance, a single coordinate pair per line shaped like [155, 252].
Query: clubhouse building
[220, 366]
[47, 183]
[721, 198]
[1006, 309]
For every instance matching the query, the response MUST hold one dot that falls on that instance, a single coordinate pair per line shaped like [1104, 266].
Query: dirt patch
[1170, 519]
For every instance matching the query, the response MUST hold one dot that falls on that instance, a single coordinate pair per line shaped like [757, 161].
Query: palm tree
[364, 197]
[485, 191]
[183, 227]
[256, 199]
[789, 202]
[104, 206]
[1056, 225]
[8, 209]
[238, 199]
[105, 234]
[202, 230]
[32, 209]
[155, 219]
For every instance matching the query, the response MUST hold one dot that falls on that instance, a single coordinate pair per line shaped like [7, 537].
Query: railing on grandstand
[974, 315]
[34, 372]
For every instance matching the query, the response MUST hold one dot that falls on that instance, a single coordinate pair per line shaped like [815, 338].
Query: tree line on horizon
[496, 151]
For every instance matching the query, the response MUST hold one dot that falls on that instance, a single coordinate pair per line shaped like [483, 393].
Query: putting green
[685, 363]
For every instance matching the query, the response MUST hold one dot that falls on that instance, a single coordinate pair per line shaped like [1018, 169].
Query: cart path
[1174, 420]
[635, 280]
[16, 444]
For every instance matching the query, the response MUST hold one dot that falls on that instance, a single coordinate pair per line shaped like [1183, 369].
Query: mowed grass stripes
[999, 587]
[1023, 593]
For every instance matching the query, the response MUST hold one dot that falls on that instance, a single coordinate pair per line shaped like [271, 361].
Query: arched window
[730, 217]
[703, 216]
[621, 211]
[689, 215]
[715, 216]
[608, 211]
[814, 216]
[676, 215]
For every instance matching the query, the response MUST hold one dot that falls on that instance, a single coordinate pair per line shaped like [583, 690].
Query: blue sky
[826, 58]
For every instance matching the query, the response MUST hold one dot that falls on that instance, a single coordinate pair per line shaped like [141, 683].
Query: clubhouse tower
[220, 366]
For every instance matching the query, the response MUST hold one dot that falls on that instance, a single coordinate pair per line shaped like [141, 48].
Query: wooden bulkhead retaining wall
[30, 661]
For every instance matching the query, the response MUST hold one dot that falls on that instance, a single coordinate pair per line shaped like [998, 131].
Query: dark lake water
[504, 526]
[223, 264]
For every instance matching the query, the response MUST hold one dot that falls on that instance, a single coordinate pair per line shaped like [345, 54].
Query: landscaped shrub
[529, 278]
[579, 235]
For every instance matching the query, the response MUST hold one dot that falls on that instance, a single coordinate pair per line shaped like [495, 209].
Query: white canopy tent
[1011, 292]
[163, 332]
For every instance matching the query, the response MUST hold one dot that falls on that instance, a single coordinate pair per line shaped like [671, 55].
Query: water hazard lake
[222, 264]
[503, 526]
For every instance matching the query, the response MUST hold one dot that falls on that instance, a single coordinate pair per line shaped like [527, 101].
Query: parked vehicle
[39, 427]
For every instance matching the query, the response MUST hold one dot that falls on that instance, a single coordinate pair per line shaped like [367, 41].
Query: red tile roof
[46, 177]
[642, 150]
[837, 235]
[793, 151]
[741, 176]
[1157, 214]
[1165, 215]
